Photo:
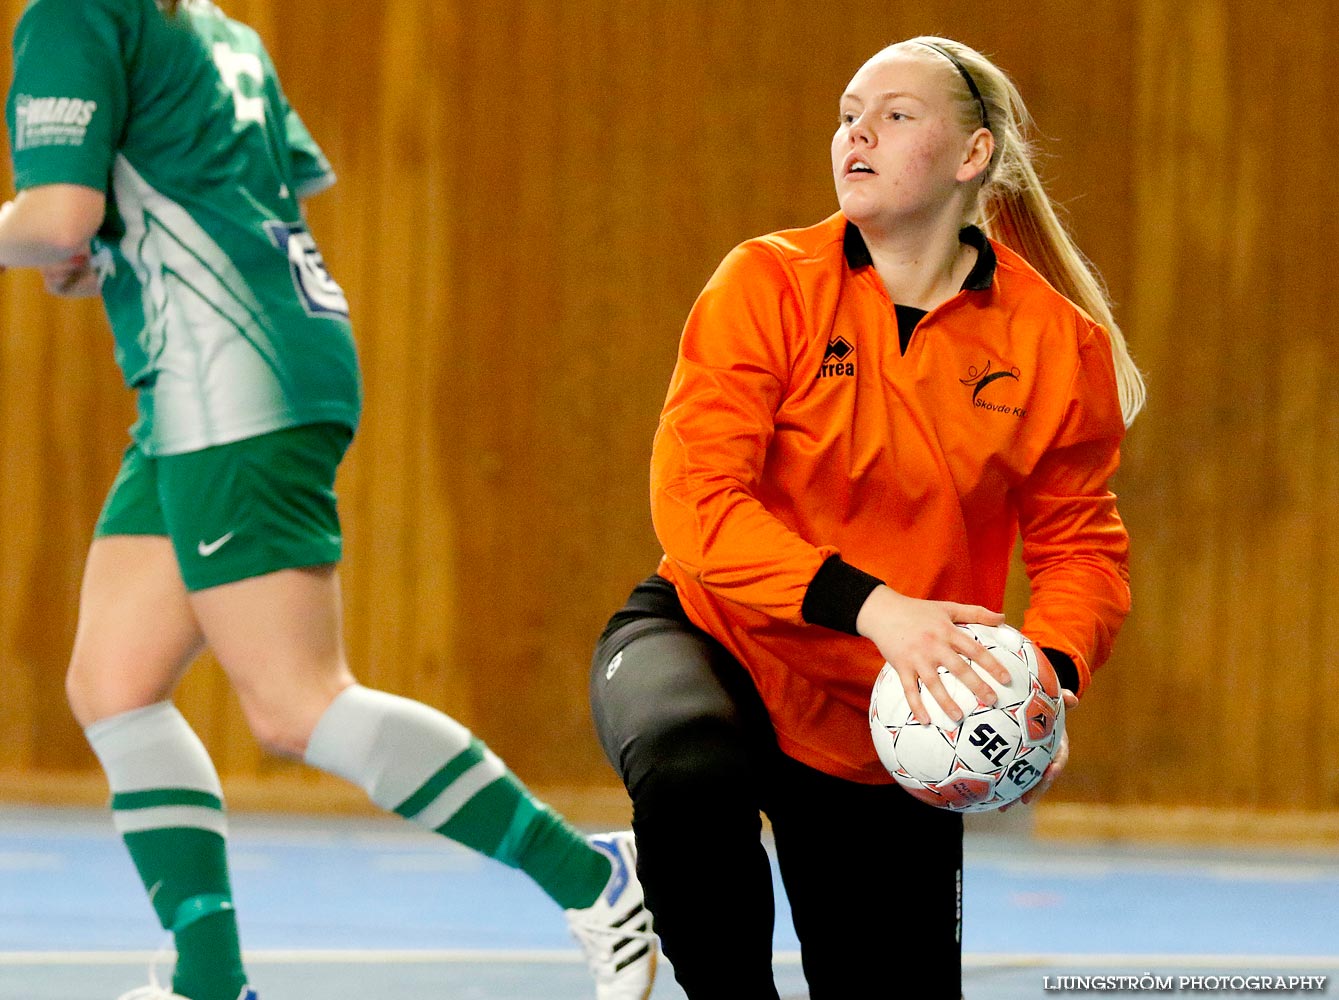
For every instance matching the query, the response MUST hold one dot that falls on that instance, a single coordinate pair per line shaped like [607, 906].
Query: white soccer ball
[993, 755]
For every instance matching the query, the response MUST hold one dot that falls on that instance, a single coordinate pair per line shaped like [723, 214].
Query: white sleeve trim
[316, 185]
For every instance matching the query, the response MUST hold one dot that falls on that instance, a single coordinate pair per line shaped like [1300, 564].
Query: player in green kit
[159, 164]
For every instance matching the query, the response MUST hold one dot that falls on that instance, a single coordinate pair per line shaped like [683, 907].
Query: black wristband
[1065, 669]
[836, 594]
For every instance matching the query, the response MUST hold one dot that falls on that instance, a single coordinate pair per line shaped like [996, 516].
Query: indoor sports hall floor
[376, 910]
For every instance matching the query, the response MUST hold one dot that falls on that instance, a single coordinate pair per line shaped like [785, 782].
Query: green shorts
[236, 510]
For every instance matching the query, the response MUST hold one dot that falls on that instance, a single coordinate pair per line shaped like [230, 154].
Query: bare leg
[136, 634]
[136, 637]
[279, 637]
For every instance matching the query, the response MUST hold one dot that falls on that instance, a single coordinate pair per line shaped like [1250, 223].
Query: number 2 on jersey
[232, 67]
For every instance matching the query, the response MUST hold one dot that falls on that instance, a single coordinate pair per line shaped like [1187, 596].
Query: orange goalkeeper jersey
[802, 455]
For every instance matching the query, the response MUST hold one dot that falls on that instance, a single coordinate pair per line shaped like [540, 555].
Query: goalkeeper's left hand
[1057, 763]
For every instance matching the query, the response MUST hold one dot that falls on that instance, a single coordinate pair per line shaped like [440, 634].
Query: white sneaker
[151, 992]
[156, 991]
[615, 931]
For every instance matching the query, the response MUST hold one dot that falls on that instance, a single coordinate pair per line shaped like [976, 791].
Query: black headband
[967, 77]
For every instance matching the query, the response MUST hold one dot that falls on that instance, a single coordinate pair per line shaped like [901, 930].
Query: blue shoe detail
[618, 879]
[615, 931]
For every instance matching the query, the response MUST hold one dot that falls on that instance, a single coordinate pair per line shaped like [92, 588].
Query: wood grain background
[530, 198]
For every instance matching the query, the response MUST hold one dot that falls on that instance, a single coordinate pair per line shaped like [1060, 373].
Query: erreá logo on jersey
[51, 121]
[319, 292]
[837, 358]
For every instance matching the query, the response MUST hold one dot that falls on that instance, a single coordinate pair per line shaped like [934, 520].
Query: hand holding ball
[995, 753]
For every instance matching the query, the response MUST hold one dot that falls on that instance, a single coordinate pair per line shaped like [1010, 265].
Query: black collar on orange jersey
[978, 279]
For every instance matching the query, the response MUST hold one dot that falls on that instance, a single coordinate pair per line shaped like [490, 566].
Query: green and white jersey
[226, 321]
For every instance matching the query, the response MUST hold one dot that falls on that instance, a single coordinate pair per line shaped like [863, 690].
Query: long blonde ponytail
[1014, 209]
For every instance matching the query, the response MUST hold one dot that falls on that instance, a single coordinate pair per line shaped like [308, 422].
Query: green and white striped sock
[167, 805]
[428, 768]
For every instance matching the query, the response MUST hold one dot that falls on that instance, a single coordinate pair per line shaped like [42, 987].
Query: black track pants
[873, 876]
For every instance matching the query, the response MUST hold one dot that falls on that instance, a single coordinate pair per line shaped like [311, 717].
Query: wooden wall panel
[531, 197]
[1237, 454]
